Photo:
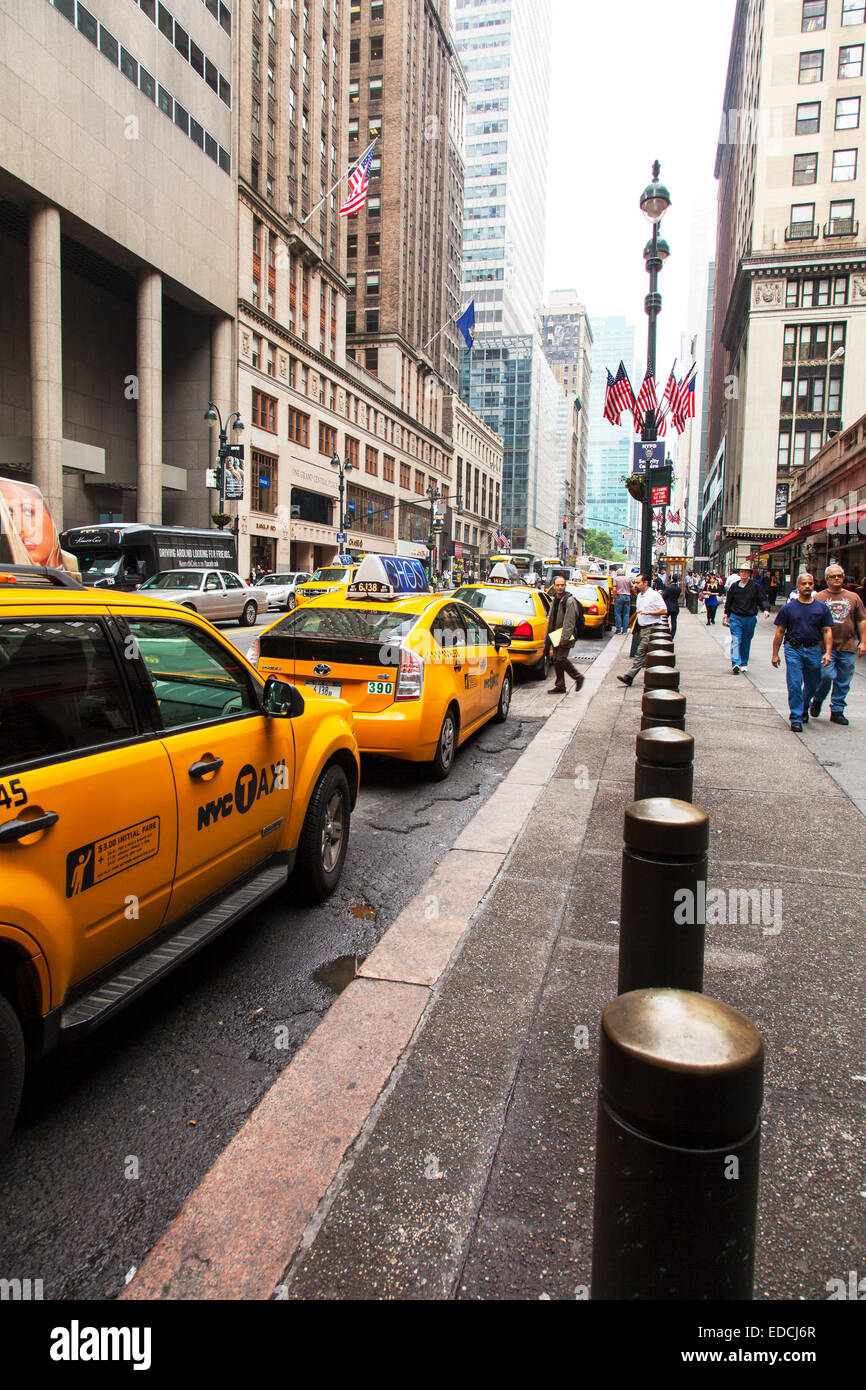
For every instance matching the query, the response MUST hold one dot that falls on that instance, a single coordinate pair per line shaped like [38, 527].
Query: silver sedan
[280, 588]
[217, 594]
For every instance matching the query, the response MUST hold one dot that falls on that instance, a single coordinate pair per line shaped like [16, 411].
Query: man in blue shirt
[806, 625]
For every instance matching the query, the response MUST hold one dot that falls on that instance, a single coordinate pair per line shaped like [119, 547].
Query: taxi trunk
[366, 673]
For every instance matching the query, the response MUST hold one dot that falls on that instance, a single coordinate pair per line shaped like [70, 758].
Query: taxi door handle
[17, 829]
[203, 768]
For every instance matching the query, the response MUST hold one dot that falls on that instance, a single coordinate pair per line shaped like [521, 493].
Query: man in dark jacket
[671, 595]
[744, 599]
[563, 621]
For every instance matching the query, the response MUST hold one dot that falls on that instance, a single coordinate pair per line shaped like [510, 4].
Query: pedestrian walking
[562, 624]
[849, 642]
[622, 589]
[712, 589]
[671, 595]
[741, 610]
[651, 609]
[806, 624]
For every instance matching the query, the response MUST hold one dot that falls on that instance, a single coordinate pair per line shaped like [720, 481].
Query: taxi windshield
[498, 600]
[174, 579]
[351, 624]
[334, 575]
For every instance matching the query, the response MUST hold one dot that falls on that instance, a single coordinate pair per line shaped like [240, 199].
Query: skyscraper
[789, 335]
[567, 340]
[610, 449]
[505, 48]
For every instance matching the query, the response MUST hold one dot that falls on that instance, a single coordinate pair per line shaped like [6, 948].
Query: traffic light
[565, 523]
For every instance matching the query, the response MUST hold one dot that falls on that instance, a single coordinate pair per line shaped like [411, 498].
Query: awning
[782, 541]
[850, 520]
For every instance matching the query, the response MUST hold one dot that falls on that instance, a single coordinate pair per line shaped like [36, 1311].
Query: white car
[280, 588]
[218, 595]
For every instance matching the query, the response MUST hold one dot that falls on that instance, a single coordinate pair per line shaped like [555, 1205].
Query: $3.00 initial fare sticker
[101, 859]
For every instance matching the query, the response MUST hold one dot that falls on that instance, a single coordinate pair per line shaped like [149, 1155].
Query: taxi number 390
[380, 687]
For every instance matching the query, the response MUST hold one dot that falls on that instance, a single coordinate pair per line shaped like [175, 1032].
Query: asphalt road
[115, 1132]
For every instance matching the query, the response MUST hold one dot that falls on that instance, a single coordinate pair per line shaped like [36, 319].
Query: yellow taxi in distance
[517, 609]
[420, 670]
[153, 790]
[605, 583]
[327, 579]
[593, 607]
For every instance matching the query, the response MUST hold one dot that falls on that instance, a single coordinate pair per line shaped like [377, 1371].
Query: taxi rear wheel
[504, 700]
[540, 671]
[325, 837]
[443, 762]
[11, 1067]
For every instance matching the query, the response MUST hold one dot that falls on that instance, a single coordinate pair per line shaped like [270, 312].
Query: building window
[371, 360]
[808, 118]
[802, 221]
[812, 66]
[371, 461]
[419, 480]
[354, 126]
[805, 168]
[784, 457]
[851, 60]
[844, 166]
[387, 468]
[377, 9]
[405, 476]
[374, 207]
[377, 48]
[373, 279]
[299, 427]
[853, 12]
[374, 243]
[842, 218]
[327, 440]
[371, 321]
[263, 477]
[264, 412]
[354, 91]
[353, 452]
[816, 294]
[375, 89]
[271, 360]
[257, 350]
[814, 15]
[792, 294]
[352, 244]
[848, 113]
[840, 291]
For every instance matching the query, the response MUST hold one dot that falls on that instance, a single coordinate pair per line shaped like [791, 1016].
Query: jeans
[802, 672]
[711, 603]
[673, 617]
[621, 610]
[742, 632]
[839, 674]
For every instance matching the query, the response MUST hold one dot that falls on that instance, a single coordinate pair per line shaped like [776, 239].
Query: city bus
[123, 555]
[523, 560]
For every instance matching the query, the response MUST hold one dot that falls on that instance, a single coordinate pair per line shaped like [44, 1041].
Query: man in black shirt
[741, 608]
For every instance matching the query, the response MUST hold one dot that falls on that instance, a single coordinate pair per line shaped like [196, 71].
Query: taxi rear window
[351, 624]
[332, 575]
[498, 600]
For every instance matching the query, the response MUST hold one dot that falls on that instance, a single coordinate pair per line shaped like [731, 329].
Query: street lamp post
[344, 468]
[226, 450]
[435, 496]
[655, 201]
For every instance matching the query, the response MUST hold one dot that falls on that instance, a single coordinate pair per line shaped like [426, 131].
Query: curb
[238, 1231]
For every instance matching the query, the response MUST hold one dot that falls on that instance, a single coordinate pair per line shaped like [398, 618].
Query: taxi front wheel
[11, 1067]
[324, 838]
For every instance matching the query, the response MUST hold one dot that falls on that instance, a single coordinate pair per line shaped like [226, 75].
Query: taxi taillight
[523, 632]
[593, 608]
[410, 677]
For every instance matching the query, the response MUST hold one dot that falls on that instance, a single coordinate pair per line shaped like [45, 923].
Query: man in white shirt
[651, 609]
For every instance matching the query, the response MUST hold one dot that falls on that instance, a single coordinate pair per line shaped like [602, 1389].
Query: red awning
[782, 541]
[851, 519]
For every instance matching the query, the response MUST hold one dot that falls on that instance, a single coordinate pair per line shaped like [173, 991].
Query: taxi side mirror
[282, 700]
[501, 638]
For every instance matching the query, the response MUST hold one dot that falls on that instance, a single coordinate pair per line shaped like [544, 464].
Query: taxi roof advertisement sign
[388, 576]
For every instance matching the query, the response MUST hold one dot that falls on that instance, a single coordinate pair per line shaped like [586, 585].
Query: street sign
[659, 497]
[211, 477]
[648, 454]
[342, 538]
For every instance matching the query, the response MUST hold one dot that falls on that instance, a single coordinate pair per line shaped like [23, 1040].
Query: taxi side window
[61, 690]
[212, 582]
[195, 679]
[448, 628]
[477, 632]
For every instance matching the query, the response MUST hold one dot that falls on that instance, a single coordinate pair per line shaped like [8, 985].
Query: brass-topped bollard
[661, 918]
[659, 655]
[663, 707]
[664, 764]
[678, 1148]
[661, 678]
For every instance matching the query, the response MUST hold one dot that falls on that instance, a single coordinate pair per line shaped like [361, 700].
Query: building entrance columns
[46, 358]
[149, 371]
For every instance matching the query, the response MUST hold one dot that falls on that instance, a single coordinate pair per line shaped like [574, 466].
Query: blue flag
[466, 324]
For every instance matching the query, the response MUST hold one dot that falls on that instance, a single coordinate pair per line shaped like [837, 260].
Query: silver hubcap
[332, 832]
[505, 700]
[446, 742]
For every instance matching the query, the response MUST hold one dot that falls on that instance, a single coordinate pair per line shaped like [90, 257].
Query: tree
[599, 544]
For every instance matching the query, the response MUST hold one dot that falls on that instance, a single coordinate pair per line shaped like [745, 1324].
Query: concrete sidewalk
[435, 1136]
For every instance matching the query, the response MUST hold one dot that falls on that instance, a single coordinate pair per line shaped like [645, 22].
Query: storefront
[464, 561]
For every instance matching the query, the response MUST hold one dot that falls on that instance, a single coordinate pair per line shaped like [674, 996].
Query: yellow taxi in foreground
[327, 579]
[517, 609]
[153, 790]
[420, 671]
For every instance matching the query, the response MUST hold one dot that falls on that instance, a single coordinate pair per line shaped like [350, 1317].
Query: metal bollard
[678, 1149]
[661, 678]
[659, 656]
[664, 877]
[662, 708]
[664, 764]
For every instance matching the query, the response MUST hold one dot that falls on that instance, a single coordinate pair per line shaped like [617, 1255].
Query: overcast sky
[609, 119]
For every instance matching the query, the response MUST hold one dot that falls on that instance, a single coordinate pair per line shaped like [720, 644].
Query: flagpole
[436, 335]
[335, 186]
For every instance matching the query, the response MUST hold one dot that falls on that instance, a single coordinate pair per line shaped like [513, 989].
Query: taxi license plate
[330, 688]
[380, 687]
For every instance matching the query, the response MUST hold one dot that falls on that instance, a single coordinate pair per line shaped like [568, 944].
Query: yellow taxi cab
[605, 583]
[420, 671]
[327, 579]
[153, 790]
[517, 609]
[593, 607]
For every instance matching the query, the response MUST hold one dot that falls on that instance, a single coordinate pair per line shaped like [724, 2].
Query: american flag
[647, 399]
[358, 181]
[618, 396]
[684, 403]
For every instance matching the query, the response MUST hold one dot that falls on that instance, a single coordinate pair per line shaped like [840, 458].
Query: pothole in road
[338, 974]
